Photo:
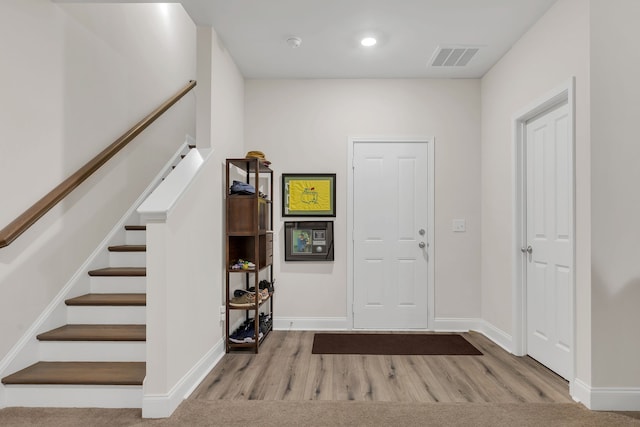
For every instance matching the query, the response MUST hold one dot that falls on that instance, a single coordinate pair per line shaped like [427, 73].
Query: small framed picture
[312, 194]
[308, 241]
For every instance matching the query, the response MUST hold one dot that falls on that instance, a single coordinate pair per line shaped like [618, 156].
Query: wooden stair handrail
[42, 206]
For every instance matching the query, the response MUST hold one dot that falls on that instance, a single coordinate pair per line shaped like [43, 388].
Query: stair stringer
[27, 350]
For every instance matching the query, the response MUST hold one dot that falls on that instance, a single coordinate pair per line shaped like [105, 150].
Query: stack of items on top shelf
[246, 332]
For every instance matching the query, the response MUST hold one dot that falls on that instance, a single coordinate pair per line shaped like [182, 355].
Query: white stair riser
[118, 285]
[93, 351]
[92, 315]
[136, 237]
[73, 396]
[127, 259]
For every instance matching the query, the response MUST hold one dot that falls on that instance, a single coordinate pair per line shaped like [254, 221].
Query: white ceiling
[408, 33]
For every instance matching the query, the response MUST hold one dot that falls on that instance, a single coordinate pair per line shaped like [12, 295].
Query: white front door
[549, 265]
[390, 232]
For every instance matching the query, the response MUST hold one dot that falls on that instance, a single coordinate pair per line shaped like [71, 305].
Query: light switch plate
[459, 225]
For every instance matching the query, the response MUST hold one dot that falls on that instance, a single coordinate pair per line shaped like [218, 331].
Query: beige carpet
[326, 413]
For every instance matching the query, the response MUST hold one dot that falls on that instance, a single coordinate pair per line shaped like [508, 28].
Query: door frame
[430, 141]
[565, 93]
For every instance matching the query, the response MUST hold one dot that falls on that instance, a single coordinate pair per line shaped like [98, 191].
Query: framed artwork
[308, 241]
[310, 194]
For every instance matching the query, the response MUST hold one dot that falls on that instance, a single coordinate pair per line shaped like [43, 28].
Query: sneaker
[265, 284]
[264, 293]
[238, 335]
[249, 334]
[247, 299]
[265, 323]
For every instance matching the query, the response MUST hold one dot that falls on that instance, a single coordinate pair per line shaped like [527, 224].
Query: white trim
[430, 141]
[163, 405]
[580, 392]
[310, 324]
[493, 333]
[73, 396]
[563, 93]
[606, 398]
[496, 335]
[25, 351]
[453, 324]
[161, 201]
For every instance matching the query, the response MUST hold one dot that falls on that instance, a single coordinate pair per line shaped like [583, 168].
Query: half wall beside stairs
[94, 343]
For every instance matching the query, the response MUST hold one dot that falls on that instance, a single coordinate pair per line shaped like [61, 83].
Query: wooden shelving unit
[249, 236]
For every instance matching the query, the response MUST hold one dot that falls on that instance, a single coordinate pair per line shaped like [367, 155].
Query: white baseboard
[452, 324]
[440, 324]
[310, 324]
[504, 340]
[73, 396]
[163, 405]
[606, 398]
[580, 392]
[496, 335]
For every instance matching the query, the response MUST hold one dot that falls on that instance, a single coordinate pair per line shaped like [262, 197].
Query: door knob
[421, 245]
[421, 232]
[527, 250]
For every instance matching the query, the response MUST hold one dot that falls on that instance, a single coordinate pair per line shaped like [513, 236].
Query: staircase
[98, 357]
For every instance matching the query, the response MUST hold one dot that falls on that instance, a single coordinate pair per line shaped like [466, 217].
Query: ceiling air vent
[453, 56]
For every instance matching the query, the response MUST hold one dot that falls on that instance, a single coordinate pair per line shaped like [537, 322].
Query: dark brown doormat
[400, 344]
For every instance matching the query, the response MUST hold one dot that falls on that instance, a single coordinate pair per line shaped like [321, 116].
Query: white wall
[183, 326]
[615, 175]
[75, 77]
[227, 136]
[553, 50]
[304, 126]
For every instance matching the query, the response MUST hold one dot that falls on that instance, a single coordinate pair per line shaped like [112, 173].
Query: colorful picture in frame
[308, 241]
[308, 194]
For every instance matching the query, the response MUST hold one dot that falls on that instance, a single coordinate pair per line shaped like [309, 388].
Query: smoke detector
[294, 42]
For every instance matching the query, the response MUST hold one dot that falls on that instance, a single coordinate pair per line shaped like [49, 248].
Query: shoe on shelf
[264, 292]
[265, 284]
[247, 299]
[249, 333]
[265, 323]
[238, 335]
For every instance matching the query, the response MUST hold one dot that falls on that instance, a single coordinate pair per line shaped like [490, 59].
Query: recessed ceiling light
[368, 41]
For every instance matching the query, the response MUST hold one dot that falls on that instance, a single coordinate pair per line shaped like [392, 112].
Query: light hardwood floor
[285, 369]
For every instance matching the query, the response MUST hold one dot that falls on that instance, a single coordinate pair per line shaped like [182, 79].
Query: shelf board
[250, 163]
[248, 196]
[252, 270]
[246, 345]
[249, 234]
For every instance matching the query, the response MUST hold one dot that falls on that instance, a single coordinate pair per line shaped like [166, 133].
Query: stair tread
[135, 227]
[128, 248]
[81, 373]
[96, 333]
[119, 271]
[109, 299]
